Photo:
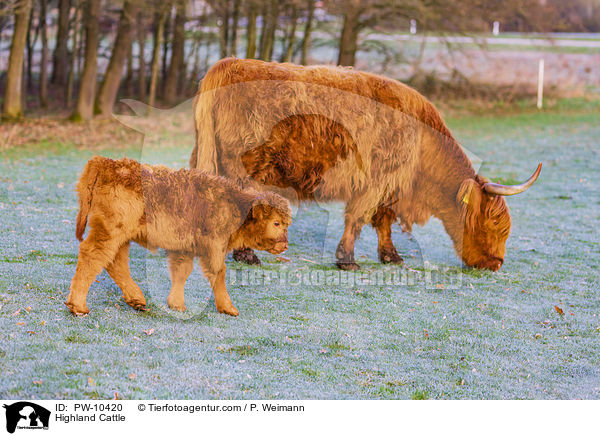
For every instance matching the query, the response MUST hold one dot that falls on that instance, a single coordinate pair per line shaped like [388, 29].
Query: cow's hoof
[247, 256]
[390, 255]
[347, 266]
[345, 260]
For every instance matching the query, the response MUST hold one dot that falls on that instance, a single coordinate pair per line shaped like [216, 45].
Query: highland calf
[186, 212]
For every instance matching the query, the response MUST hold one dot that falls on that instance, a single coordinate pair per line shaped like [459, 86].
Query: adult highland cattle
[329, 133]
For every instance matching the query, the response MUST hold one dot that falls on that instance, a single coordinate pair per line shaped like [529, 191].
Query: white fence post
[413, 26]
[540, 91]
[496, 28]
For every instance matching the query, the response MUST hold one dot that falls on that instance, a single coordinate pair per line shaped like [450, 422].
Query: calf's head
[266, 226]
[486, 220]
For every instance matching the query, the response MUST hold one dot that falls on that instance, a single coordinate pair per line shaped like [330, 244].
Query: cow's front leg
[180, 267]
[345, 250]
[382, 222]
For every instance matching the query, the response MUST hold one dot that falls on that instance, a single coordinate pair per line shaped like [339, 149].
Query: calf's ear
[260, 210]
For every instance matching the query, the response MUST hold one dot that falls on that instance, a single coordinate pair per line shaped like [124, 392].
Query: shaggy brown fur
[186, 212]
[333, 133]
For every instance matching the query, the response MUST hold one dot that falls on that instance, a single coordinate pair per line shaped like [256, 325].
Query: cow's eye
[276, 224]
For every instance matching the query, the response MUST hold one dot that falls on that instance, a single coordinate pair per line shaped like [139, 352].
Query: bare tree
[166, 39]
[84, 109]
[222, 10]
[60, 55]
[107, 94]
[307, 32]
[252, 14]
[159, 27]
[350, 30]
[263, 29]
[31, 42]
[141, 42]
[44, 59]
[268, 35]
[13, 105]
[290, 39]
[235, 16]
[74, 43]
[177, 53]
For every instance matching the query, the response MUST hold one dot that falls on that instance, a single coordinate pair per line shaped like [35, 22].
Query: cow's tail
[85, 189]
[204, 155]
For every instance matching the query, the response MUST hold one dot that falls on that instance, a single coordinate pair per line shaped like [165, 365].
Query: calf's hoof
[228, 309]
[390, 255]
[176, 305]
[137, 304]
[247, 256]
[77, 310]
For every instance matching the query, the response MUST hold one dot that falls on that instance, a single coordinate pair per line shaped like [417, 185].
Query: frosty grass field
[531, 330]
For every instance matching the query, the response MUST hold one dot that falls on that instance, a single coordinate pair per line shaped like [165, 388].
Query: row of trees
[155, 49]
[179, 30]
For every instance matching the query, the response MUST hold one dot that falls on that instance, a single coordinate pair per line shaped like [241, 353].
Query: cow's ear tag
[466, 199]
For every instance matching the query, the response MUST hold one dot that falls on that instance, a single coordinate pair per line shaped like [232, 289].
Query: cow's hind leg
[119, 271]
[382, 222]
[96, 252]
[180, 267]
[359, 211]
[246, 255]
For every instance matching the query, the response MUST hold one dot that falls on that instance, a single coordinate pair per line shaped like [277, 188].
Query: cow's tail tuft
[85, 189]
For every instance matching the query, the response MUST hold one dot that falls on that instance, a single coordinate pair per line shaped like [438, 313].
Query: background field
[500, 335]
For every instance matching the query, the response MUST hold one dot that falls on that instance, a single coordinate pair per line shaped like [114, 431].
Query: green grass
[494, 335]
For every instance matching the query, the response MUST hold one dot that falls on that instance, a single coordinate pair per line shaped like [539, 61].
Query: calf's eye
[276, 224]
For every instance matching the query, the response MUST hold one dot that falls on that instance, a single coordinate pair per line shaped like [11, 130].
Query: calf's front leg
[222, 299]
[214, 270]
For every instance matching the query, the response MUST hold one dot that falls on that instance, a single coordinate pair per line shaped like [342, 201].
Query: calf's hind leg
[382, 222]
[119, 271]
[96, 252]
[180, 266]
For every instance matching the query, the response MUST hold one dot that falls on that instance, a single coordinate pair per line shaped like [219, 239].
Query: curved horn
[498, 189]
